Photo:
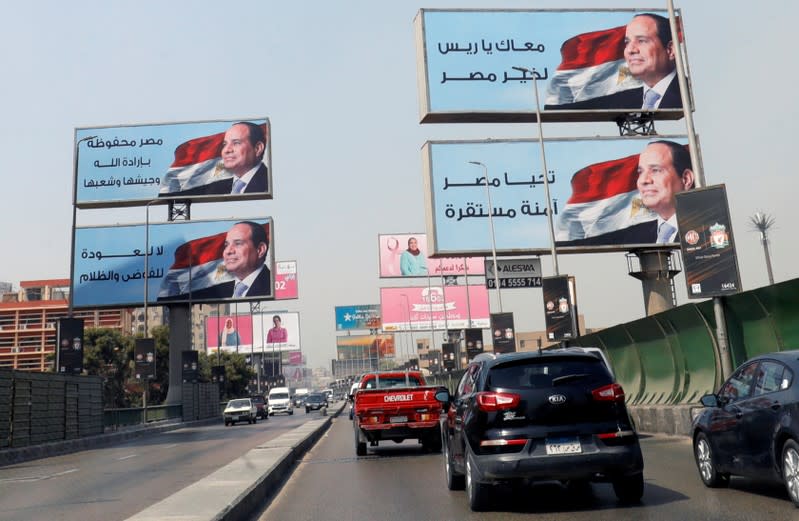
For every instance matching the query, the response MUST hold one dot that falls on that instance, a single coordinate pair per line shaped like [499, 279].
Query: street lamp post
[408, 311]
[493, 238]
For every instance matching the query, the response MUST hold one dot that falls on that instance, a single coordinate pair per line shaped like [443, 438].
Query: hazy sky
[338, 81]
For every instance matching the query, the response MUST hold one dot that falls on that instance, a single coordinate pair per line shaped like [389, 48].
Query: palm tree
[762, 222]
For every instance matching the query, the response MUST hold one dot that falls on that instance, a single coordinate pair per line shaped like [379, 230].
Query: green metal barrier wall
[670, 358]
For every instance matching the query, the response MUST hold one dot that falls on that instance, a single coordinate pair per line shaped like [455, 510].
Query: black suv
[315, 401]
[539, 416]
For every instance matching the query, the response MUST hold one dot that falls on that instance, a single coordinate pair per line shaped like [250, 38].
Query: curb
[225, 495]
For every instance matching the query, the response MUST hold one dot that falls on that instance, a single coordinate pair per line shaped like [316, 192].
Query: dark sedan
[750, 427]
[315, 401]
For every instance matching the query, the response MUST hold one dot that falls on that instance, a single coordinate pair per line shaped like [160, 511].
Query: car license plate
[398, 419]
[563, 446]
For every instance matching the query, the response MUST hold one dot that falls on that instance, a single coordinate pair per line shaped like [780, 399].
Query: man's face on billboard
[238, 154]
[646, 57]
[658, 181]
[240, 255]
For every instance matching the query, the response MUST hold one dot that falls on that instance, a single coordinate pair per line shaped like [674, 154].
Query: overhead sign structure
[420, 308]
[286, 280]
[478, 65]
[707, 243]
[179, 261]
[132, 165]
[560, 308]
[514, 273]
[597, 203]
[406, 255]
[364, 316]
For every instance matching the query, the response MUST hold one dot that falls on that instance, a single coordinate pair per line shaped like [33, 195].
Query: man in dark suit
[664, 169]
[242, 155]
[244, 256]
[649, 53]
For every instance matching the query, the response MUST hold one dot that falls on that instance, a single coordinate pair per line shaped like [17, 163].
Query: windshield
[279, 396]
[237, 404]
[316, 398]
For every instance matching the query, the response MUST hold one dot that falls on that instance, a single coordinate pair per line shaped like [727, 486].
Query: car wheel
[476, 493]
[227, 424]
[291, 413]
[307, 410]
[629, 489]
[271, 414]
[255, 419]
[790, 470]
[706, 464]
[455, 481]
[360, 446]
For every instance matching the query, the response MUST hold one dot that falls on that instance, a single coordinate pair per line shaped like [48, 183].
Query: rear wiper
[568, 378]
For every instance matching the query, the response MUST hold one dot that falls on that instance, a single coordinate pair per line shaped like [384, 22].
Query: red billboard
[422, 308]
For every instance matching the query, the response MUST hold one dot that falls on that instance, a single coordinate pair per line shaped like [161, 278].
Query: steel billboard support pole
[147, 263]
[74, 224]
[493, 238]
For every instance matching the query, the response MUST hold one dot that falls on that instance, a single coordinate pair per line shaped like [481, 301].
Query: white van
[279, 401]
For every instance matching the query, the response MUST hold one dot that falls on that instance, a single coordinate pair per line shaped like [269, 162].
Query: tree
[763, 222]
[109, 354]
[237, 373]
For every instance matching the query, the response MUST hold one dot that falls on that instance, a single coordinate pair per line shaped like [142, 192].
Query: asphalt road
[113, 483]
[401, 482]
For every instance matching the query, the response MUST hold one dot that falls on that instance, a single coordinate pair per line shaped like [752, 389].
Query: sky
[338, 81]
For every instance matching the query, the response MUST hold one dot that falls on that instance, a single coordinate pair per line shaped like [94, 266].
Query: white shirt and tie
[241, 286]
[667, 230]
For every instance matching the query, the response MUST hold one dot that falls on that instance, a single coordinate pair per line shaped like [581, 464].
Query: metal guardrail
[115, 418]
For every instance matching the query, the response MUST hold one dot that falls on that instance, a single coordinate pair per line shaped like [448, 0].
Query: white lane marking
[126, 457]
[170, 446]
[38, 478]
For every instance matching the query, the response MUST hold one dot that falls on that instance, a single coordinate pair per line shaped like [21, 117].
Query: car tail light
[610, 393]
[490, 402]
[502, 443]
[616, 434]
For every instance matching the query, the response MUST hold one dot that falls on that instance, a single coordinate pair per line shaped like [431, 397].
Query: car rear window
[240, 403]
[391, 381]
[546, 372]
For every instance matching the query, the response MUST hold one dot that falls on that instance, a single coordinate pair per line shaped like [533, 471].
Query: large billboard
[276, 331]
[514, 273]
[560, 307]
[233, 332]
[589, 65]
[201, 161]
[286, 280]
[406, 255]
[187, 261]
[503, 333]
[707, 242]
[607, 193]
[364, 347]
[410, 308]
[364, 316]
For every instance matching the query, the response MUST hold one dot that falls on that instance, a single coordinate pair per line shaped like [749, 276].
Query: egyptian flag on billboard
[592, 65]
[604, 199]
[197, 163]
[198, 265]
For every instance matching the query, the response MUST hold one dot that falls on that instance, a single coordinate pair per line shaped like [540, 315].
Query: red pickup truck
[396, 405]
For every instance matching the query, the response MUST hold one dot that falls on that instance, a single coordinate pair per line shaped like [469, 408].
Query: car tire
[255, 419]
[291, 412]
[476, 493]
[629, 489]
[790, 470]
[360, 446]
[271, 414]
[455, 481]
[307, 410]
[706, 464]
[227, 424]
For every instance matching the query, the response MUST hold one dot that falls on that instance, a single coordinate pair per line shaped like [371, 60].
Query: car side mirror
[710, 400]
[442, 395]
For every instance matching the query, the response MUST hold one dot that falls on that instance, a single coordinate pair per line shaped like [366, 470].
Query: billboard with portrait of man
[200, 160]
[607, 194]
[186, 261]
[406, 255]
[479, 65]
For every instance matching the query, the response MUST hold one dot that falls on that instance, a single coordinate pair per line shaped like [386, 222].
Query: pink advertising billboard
[405, 255]
[286, 280]
[410, 309]
[233, 332]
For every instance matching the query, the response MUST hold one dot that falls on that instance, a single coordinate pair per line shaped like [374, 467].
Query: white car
[240, 409]
[279, 401]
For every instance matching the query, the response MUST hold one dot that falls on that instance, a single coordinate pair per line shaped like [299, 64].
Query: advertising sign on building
[514, 273]
[438, 307]
[560, 314]
[179, 262]
[132, 165]
[599, 201]
[363, 316]
[479, 65]
[706, 240]
[363, 347]
[405, 255]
